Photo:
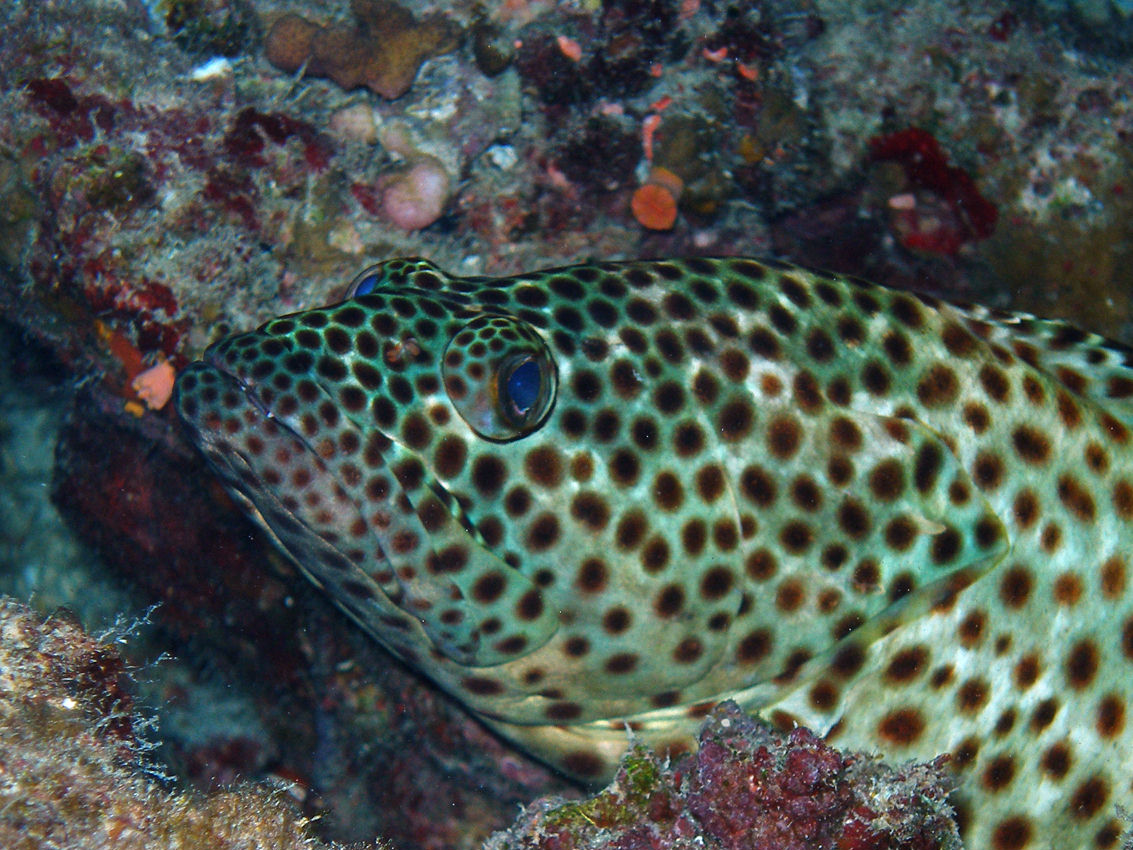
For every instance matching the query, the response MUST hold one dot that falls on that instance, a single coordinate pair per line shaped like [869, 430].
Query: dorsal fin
[1087, 364]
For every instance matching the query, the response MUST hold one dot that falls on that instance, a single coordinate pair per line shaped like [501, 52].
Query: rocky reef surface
[77, 770]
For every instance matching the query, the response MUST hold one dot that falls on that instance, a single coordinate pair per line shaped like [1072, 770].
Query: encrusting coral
[382, 51]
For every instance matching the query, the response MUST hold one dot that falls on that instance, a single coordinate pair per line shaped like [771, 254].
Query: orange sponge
[654, 204]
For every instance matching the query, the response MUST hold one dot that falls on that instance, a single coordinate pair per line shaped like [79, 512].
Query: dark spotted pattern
[619, 493]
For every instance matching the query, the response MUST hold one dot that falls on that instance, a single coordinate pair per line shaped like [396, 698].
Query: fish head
[343, 431]
[478, 471]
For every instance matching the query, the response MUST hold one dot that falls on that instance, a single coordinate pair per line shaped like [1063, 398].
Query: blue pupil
[366, 285]
[522, 387]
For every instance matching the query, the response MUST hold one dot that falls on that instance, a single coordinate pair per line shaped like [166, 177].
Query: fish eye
[365, 282]
[518, 387]
[500, 377]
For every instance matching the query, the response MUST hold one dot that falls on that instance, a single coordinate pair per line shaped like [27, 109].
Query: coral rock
[416, 195]
[289, 42]
[75, 774]
[383, 50]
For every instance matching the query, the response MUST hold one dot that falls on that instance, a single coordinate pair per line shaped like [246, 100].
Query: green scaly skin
[614, 494]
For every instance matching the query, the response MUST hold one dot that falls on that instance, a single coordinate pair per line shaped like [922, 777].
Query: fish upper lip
[212, 359]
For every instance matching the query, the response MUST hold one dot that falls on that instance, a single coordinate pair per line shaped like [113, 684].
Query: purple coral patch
[750, 788]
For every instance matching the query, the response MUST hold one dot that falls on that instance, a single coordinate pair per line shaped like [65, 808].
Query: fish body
[612, 495]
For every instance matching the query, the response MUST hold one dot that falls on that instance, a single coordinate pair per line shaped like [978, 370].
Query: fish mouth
[231, 423]
[213, 358]
[363, 542]
[269, 462]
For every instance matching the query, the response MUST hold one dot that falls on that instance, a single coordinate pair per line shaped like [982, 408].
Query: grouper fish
[608, 496]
